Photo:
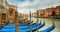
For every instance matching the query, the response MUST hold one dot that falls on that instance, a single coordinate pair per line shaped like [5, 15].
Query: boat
[49, 28]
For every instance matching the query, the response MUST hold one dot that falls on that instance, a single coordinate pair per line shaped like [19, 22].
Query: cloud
[25, 6]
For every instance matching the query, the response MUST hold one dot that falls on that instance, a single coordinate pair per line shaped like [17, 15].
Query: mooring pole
[16, 21]
[37, 20]
[30, 22]
[0, 20]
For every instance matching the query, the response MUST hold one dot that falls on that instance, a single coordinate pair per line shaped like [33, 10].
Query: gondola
[39, 26]
[11, 28]
[49, 28]
[34, 27]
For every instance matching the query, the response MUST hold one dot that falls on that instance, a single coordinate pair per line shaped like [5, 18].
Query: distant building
[57, 10]
[48, 12]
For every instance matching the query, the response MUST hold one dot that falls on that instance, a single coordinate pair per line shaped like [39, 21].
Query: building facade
[7, 12]
[48, 12]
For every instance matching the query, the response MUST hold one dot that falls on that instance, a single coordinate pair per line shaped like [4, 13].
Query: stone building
[3, 11]
[41, 13]
[57, 10]
[7, 11]
[48, 12]
[11, 13]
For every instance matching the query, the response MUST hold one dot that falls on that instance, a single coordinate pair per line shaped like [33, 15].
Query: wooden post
[0, 20]
[30, 22]
[16, 21]
[37, 20]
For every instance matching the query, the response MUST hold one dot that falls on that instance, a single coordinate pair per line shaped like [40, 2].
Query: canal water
[48, 23]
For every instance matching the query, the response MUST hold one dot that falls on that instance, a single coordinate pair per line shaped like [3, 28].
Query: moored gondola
[49, 28]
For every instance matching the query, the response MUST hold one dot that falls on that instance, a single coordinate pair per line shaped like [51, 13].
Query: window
[3, 16]
[10, 10]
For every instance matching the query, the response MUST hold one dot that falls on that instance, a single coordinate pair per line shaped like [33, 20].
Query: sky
[25, 6]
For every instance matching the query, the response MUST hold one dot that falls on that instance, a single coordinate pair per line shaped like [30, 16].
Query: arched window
[3, 16]
[10, 10]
